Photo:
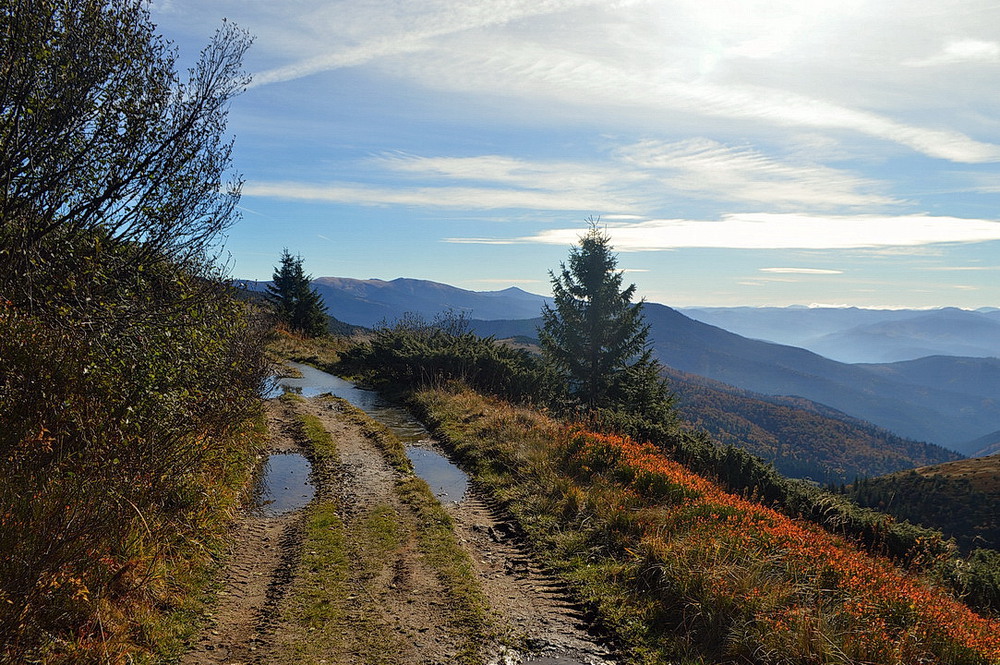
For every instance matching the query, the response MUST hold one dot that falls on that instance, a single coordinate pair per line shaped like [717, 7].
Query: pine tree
[596, 337]
[294, 300]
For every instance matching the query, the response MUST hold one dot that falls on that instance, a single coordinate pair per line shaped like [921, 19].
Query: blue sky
[739, 152]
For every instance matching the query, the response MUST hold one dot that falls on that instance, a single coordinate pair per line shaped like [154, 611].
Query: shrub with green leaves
[130, 375]
[414, 353]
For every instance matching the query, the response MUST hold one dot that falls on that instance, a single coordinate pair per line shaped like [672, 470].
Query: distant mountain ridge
[854, 335]
[368, 302]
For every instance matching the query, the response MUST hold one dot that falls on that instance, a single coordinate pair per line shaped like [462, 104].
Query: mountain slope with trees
[801, 439]
[904, 398]
[911, 410]
[941, 416]
[960, 498]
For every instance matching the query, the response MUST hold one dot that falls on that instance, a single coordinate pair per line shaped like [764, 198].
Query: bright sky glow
[740, 152]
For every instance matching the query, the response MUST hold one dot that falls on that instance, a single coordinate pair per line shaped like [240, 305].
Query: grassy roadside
[678, 570]
[320, 352]
[194, 576]
[334, 603]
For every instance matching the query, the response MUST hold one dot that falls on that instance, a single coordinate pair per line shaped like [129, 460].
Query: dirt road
[375, 596]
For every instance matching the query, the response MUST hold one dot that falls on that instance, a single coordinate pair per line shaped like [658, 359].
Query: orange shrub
[780, 574]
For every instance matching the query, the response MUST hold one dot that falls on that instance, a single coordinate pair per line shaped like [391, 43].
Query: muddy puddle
[447, 481]
[284, 484]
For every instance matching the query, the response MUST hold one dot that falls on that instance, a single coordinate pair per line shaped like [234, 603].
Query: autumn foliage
[794, 575]
[680, 570]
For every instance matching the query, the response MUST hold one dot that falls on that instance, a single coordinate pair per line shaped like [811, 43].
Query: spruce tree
[596, 337]
[294, 300]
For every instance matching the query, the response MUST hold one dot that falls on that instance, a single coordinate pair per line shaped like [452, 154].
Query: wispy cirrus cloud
[784, 231]
[801, 271]
[470, 198]
[962, 51]
[636, 178]
[710, 168]
[515, 68]
[515, 49]
[555, 176]
[425, 23]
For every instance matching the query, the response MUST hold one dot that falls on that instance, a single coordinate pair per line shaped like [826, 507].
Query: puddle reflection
[284, 484]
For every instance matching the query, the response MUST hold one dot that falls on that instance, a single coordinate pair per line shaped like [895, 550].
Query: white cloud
[961, 52]
[424, 23]
[642, 177]
[515, 68]
[787, 231]
[701, 165]
[801, 271]
[502, 170]
[471, 198]
[642, 171]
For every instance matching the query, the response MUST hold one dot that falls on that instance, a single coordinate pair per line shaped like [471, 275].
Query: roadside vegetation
[130, 373]
[677, 568]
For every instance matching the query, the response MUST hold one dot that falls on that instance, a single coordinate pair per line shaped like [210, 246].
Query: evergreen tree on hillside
[294, 300]
[596, 337]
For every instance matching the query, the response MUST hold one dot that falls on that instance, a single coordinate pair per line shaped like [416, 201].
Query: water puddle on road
[284, 484]
[447, 481]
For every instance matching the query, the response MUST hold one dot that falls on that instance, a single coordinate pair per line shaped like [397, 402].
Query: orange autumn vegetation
[781, 576]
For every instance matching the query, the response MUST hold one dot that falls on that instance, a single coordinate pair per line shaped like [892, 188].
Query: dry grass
[321, 352]
[982, 473]
[678, 569]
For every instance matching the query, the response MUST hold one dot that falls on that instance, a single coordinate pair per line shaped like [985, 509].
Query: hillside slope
[802, 439]
[680, 570]
[961, 498]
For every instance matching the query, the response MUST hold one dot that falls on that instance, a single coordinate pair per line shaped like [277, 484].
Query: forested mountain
[961, 499]
[949, 417]
[801, 438]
